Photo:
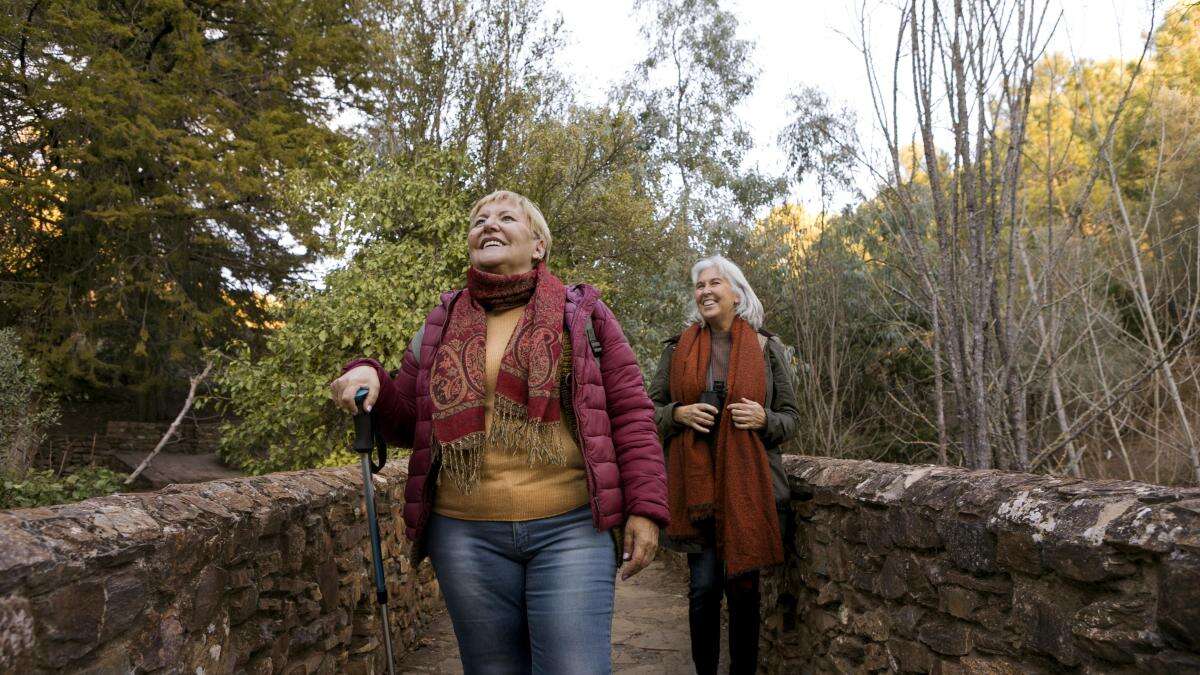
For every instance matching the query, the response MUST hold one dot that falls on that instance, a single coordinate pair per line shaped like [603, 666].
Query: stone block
[945, 636]
[875, 657]
[906, 620]
[1017, 551]
[243, 604]
[1117, 629]
[912, 528]
[943, 572]
[822, 622]
[875, 624]
[1179, 600]
[240, 578]
[829, 594]
[1085, 562]
[908, 656]
[903, 575]
[268, 563]
[16, 634]
[980, 665]
[70, 620]
[163, 646]
[207, 595]
[291, 547]
[1168, 661]
[124, 600]
[958, 602]
[848, 653]
[969, 544]
[1043, 617]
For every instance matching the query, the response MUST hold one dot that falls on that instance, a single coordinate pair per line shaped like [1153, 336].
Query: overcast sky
[805, 42]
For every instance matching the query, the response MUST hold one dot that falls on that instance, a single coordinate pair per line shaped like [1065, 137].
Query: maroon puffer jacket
[615, 418]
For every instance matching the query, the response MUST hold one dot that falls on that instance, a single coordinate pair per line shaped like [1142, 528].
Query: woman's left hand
[747, 414]
[641, 543]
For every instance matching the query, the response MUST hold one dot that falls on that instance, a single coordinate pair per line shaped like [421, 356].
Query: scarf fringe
[511, 430]
[461, 460]
[701, 511]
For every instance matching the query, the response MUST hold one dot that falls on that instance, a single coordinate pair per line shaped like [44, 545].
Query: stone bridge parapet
[263, 574]
[892, 568]
[937, 569]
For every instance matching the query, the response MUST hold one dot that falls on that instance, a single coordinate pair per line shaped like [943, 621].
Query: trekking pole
[364, 441]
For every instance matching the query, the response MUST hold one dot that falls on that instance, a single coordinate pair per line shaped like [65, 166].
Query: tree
[143, 153]
[26, 409]
[694, 76]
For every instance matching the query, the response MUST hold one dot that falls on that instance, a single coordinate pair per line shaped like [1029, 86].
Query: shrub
[43, 488]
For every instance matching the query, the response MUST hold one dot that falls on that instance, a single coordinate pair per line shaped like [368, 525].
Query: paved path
[650, 632]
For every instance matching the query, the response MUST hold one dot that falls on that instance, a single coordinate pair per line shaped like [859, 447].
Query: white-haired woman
[724, 404]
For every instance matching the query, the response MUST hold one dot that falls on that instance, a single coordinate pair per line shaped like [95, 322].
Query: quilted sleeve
[635, 436]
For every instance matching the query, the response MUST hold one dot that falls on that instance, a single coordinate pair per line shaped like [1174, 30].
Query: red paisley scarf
[526, 407]
[723, 475]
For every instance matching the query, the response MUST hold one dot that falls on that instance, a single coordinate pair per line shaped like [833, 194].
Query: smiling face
[715, 299]
[501, 240]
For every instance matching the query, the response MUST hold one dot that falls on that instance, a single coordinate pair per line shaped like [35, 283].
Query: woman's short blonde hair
[537, 222]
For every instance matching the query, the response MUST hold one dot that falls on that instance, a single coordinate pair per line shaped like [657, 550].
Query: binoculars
[716, 398]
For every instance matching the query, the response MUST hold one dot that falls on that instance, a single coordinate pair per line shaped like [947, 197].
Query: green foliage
[280, 396]
[143, 151]
[26, 409]
[43, 488]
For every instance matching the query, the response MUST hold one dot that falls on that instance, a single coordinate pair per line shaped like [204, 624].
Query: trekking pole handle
[364, 439]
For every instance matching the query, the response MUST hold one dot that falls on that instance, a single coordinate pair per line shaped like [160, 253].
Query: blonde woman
[533, 439]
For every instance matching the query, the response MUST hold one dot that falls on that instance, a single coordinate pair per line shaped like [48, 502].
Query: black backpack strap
[597, 348]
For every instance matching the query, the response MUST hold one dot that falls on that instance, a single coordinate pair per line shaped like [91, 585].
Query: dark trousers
[706, 586]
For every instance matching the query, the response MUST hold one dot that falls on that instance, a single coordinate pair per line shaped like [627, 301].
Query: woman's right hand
[699, 416]
[346, 387]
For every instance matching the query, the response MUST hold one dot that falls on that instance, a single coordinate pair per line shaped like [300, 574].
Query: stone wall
[264, 574]
[920, 569]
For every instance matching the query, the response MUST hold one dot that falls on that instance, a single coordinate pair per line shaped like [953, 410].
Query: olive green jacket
[782, 414]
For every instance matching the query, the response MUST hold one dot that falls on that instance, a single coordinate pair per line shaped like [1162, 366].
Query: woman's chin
[490, 262]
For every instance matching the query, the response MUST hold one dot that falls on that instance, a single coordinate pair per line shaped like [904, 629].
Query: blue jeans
[527, 597]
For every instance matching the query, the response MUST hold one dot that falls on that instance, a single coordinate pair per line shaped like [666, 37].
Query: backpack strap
[597, 348]
[589, 329]
[414, 345]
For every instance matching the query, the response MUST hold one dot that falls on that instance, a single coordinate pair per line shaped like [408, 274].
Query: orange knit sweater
[509, 489]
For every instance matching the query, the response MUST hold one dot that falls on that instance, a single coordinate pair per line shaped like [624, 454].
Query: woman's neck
[721, 324]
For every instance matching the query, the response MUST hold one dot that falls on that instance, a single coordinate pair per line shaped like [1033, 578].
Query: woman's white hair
[748, 307]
